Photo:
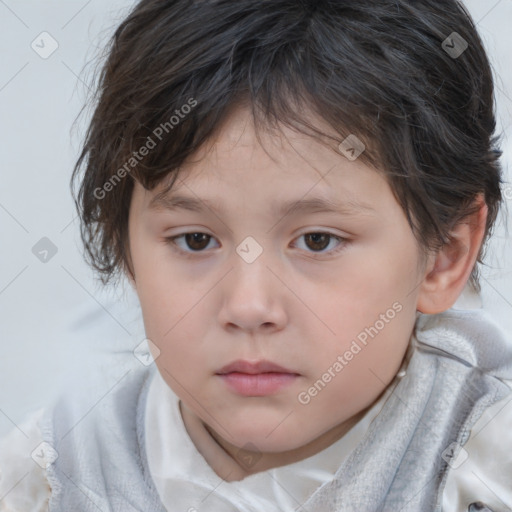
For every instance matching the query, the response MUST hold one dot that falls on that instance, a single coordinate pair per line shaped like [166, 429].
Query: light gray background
[57, 324]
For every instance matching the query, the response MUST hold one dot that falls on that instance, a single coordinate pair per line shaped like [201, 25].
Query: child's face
[340, 319]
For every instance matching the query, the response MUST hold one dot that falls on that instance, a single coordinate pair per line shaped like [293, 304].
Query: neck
[232, 463]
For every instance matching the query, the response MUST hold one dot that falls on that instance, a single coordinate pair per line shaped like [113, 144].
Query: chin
[258, 439]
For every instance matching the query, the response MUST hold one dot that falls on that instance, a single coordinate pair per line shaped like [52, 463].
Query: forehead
[238, 135]
[286, 169]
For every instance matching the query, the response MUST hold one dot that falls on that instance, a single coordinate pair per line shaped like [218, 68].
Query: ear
[448, 271]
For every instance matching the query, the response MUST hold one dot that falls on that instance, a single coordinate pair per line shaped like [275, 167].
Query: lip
[260, 378]
[253, 368]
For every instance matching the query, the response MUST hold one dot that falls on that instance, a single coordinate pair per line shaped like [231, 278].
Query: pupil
[193, 238]
[315, 237]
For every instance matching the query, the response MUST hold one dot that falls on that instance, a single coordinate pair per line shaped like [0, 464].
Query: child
[298, 192]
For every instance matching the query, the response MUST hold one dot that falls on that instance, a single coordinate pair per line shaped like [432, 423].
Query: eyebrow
[305, 205]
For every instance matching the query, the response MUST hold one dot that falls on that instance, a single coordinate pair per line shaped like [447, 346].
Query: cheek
[349, 376]
[158, 286]
[370, 313]
[378, 277]
[367, 284]
[170, 310]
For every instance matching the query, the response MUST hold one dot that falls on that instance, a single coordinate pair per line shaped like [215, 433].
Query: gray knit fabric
[400, 465]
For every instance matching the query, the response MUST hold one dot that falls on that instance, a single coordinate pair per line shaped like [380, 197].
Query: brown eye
[197, 241]
[319, 241]
[189, 243]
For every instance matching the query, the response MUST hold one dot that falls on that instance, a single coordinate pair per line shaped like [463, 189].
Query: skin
[300, 304]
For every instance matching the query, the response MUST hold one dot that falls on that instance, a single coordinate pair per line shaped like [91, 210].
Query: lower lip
[259, 384]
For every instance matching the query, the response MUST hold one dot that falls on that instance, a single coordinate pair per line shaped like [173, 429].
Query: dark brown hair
[384, 70]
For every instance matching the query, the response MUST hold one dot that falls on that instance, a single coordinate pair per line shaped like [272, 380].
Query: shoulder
[483, 469]
[114, 400]
[23, 482]
[25, 453]
[103, 415]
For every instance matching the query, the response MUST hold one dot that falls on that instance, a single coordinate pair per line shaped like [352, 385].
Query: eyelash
[171, 241]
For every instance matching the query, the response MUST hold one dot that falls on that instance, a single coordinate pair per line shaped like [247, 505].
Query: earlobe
[450, 268]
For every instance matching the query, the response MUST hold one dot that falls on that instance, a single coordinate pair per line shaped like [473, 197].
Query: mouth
[260, 378]
[241, 366]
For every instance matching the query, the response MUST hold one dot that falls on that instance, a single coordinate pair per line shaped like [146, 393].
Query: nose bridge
[251, 295]
[251, 273]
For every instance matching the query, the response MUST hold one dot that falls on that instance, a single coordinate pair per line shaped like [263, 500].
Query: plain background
[57, 324]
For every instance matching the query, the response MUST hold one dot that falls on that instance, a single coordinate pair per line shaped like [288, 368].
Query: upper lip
[253, 368]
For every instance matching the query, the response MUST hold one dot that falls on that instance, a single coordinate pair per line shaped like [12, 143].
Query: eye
[197, 242]
[318, 241]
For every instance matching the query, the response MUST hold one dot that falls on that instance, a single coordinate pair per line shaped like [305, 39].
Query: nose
[253, 297]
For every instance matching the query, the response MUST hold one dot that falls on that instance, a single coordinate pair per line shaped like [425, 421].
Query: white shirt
[187, 483]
